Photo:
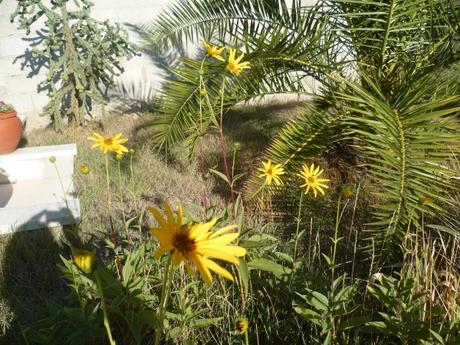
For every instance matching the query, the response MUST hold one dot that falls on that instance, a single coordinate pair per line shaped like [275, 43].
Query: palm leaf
[408, 144]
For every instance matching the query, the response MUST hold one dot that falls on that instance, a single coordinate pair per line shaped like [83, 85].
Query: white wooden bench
[31, 194]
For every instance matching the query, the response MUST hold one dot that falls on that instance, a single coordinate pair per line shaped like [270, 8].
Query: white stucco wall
[17, 88]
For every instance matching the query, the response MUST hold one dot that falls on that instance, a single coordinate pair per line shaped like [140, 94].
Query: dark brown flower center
[108, 141]
[231, 66]
[311, 179]
[183, 243]
[270, 171]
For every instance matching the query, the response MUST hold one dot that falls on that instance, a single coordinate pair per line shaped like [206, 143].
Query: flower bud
[84, 169]
[347, 190]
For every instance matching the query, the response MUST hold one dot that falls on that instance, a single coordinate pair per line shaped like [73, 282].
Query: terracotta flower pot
[10, 131]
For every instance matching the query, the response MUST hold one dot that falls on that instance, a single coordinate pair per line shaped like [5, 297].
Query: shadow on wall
[30, 278]
[31, 61]
[6, 190]
[162, 60]
[140, 96]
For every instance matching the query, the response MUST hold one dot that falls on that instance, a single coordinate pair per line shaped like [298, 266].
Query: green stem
[104, 309]
[131, 171]
[336, 233]
[246, 338]
[296, 244]
[222, 141]
[122, 200]
[201, 134]
[107, 178]
[66, 200]
[163, 300]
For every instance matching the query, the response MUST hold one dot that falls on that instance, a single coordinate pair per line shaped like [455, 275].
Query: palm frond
[189, 20]
[408, 144]
[397, 37]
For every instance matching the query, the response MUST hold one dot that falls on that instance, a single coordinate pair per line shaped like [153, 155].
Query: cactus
[81, 55]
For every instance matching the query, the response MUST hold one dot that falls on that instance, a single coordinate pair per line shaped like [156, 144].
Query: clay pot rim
[8, 115]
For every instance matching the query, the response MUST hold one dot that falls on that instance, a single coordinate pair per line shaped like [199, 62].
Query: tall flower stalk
[110, 144]
[194, 244]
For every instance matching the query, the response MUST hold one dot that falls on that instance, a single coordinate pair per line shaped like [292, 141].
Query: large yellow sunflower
[312, 181]
[196, 244]
[234, 64]
[213, 51]
[109, 144]
[271, 172]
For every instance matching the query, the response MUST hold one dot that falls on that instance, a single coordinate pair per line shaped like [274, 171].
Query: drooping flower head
[271, 172]
[213, 51]
[234, 64]
[84, 259]
[109, 144]
[196, 244]
[241, 325]
[311, 175]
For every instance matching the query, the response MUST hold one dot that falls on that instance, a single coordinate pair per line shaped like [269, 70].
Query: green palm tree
[379, 63]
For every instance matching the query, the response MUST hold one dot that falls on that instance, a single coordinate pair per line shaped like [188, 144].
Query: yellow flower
[119, 156]
[84, 259]
[195, 243]
[213, 51]
[271, 172]
[241, 325]
[234, 66]
[109, 144]
[312, 180]
[84, 169]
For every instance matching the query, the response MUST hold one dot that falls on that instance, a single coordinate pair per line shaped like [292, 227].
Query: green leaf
[222, 176]
[268, 266]
[244, 273]
[310, 315]
[316, 300]
[205, 322]
[353, 323]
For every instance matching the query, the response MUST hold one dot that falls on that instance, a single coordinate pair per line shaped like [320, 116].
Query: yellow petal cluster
[241, 325]
[271, 172]
[84, 169]
[84, 259]
[213, 51]
[109, 144]
[234, 64]
[313, 182]
[196, 244]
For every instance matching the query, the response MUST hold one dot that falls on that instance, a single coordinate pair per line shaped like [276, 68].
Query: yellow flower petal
[202, 269]
[217, 269]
